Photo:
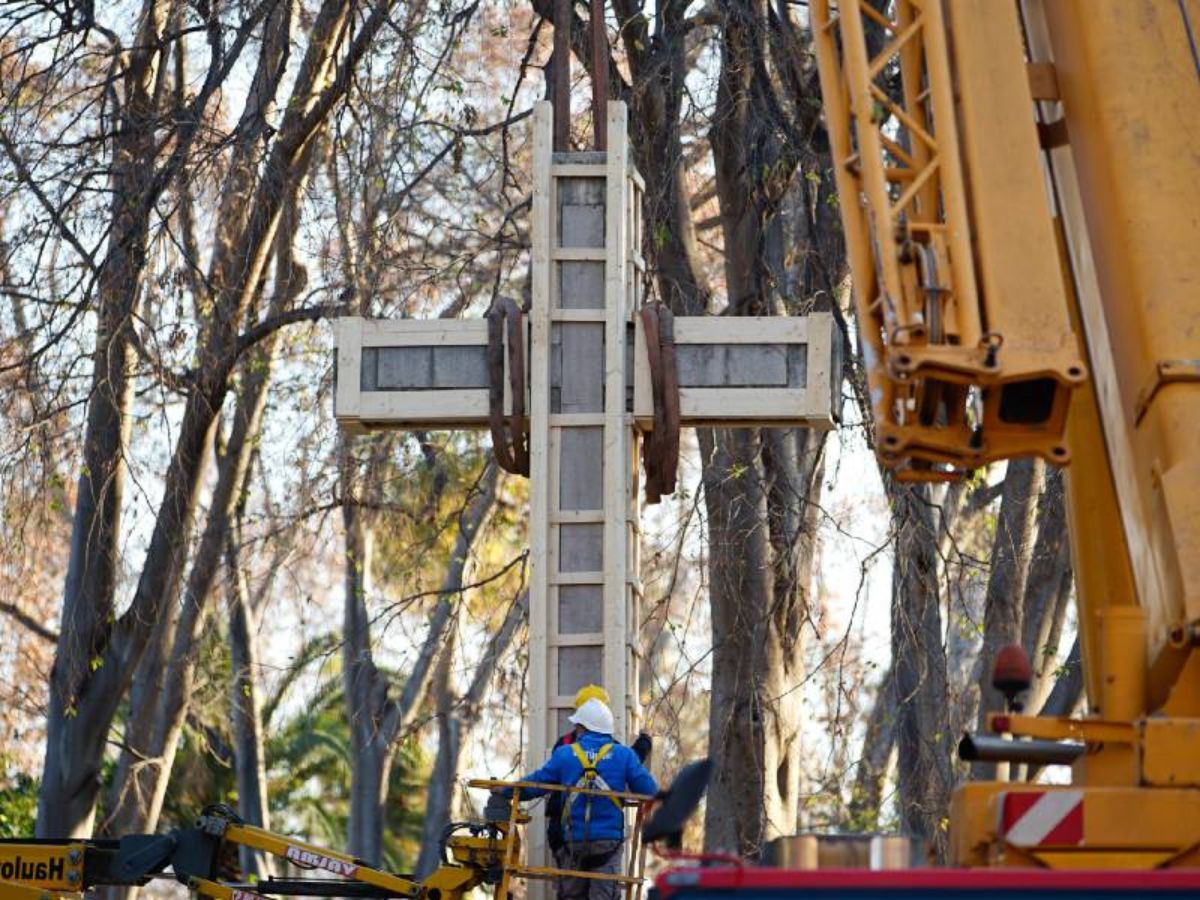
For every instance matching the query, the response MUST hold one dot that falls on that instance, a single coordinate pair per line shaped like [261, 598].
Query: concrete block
[580, 547]
[581, 469]
[580, 608]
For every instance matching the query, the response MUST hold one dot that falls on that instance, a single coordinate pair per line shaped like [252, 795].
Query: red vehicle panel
[723, 882]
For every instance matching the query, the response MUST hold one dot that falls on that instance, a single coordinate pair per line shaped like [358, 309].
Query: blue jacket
[554, 803]
[621, 770]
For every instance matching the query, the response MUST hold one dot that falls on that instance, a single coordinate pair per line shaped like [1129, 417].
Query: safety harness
[589, 780]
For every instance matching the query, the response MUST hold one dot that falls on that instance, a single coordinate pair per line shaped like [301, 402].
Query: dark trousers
[581, 856]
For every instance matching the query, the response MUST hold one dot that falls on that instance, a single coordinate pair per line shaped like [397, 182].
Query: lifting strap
[660, 448]
[510, 434]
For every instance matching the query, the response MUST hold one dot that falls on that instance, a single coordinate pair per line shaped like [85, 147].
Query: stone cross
[589, 401]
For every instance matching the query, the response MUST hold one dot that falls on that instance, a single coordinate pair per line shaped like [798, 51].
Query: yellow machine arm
[196, 857]
[474, 854]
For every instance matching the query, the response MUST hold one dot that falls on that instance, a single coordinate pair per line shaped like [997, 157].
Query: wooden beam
[619, 439]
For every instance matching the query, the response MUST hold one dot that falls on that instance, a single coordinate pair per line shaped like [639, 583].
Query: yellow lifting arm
[11, 891]
[476, 853]
[44, 869]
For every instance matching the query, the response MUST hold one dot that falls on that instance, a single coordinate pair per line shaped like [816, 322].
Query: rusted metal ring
[510, 434]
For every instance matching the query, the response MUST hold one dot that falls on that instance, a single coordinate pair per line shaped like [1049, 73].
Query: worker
[554, 804]
[592, 827]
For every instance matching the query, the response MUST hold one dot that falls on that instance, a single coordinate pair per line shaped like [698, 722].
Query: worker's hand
[642, 746]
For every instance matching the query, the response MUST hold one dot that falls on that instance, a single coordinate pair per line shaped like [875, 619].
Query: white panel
[741, 330]
[618, 435]
[423, 409]
[349, 367]
[808, 406]
[732, 407]
[422, 332]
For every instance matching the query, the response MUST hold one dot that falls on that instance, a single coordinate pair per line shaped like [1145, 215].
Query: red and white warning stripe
[1041, 818]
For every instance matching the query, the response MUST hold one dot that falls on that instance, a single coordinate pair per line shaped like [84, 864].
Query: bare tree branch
[28, 621]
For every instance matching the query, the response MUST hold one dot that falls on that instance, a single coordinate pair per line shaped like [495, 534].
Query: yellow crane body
[1063, 211]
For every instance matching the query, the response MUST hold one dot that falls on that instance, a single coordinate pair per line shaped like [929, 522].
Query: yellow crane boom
[960, 304]
[1020, 189]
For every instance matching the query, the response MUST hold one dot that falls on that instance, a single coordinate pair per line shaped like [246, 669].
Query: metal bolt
[73, 876]
[74, 856]
[1185, 635]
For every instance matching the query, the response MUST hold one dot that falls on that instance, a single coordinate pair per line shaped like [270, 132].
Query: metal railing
[512, 864]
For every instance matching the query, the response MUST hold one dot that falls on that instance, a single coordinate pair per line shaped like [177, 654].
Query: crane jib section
[962, 309]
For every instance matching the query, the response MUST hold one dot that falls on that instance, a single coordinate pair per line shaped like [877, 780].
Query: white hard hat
[595, 716]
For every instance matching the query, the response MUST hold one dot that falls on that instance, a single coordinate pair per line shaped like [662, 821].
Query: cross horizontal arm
[412, 373]
[771, 371]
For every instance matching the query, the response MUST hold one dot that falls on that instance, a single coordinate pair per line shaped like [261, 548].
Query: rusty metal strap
[510, 434]
[660, 449]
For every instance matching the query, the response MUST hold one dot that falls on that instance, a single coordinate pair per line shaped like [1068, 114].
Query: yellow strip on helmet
[591, 692]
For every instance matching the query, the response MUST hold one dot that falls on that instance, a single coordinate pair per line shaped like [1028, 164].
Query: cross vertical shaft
[583, 476]
[589, 388]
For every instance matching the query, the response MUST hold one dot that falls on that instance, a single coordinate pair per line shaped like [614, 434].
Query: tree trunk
[76, 733]
[133, 792]
[368, 798]
[439, 796]
[1004, 603]
[1065, 697]
[1067, 692]
[879, 742]
[760, 557]
[365, 689]
[740, 583]
[794, 461]
[454, 723]
[376, 720]
[925, 776]
[1047, 589]
[246, 705]
[963, 589]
